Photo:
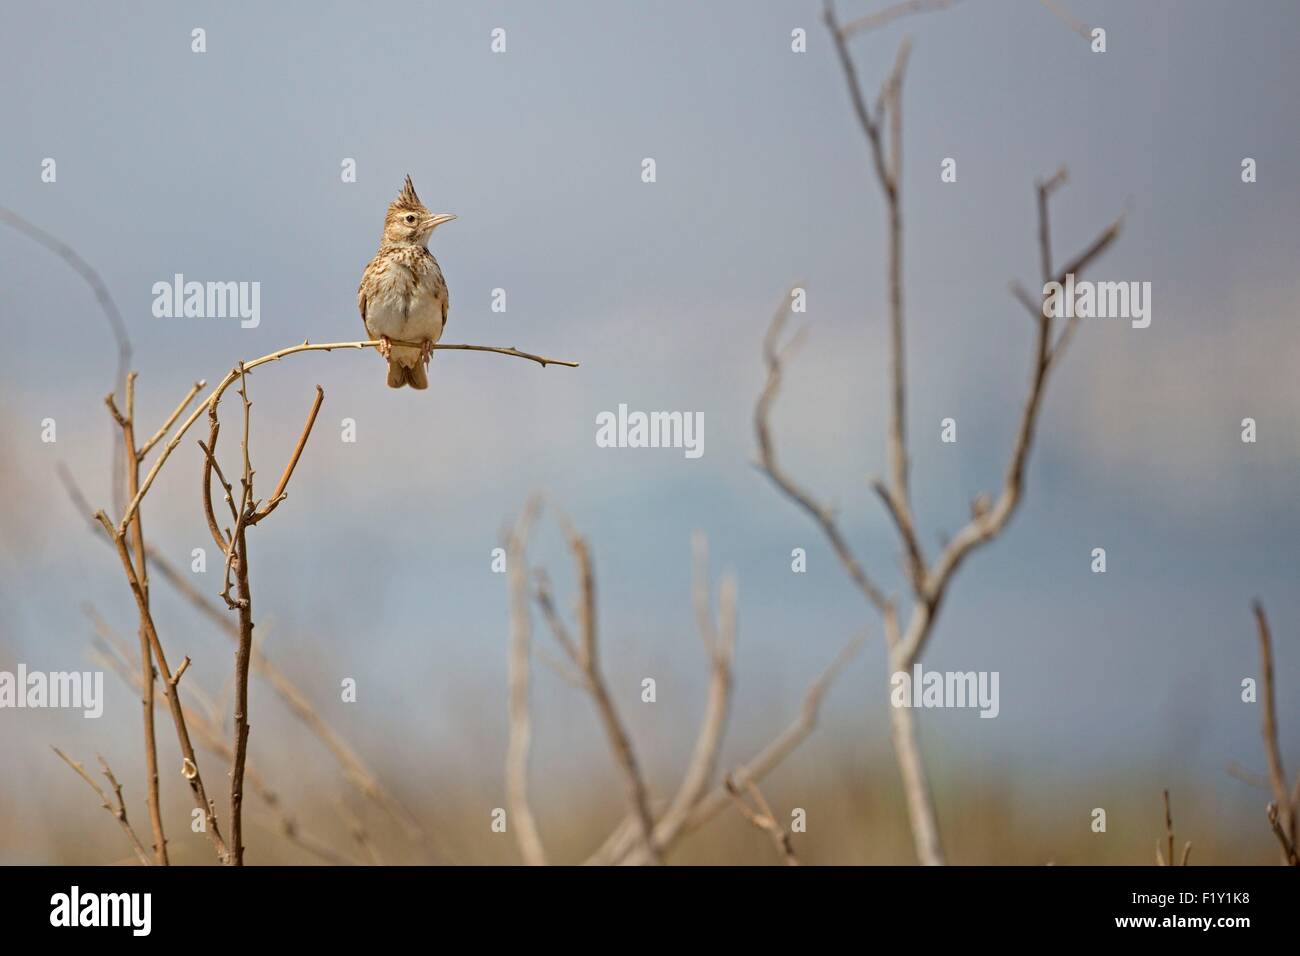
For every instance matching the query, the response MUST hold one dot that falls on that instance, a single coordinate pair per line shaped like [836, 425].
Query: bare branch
[762, 817]
[1065, 17]
[546, 603]
[720, 643]
[768, 463]
[214, 398]
[880, 18]
[986, 525]
[522, 820]
[620, 743]
[111, 654]
[171, 420]
[280, 493]
[244, 649]
[357, 829]
[1248, 777]
[119, 813]
[355, 769]
[759, 766]
[1288, 845]
[106, 304]
[189, 763]
[130, 462]
[1284, 809]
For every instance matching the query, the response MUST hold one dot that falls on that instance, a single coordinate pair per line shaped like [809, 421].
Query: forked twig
[762, 817]
[118, 812]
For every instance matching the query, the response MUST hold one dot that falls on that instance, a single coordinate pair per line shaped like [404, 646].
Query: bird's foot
[385, 347]
[426, 351]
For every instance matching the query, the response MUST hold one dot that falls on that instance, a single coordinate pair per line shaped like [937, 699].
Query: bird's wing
[446, 296]
[361, 295]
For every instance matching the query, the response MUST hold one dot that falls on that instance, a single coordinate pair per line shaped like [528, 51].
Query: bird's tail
[413, 375]
[406, 368]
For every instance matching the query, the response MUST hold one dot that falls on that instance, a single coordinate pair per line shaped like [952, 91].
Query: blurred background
[225, 166]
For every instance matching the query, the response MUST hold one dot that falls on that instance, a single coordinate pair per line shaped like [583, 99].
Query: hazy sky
[226, 166]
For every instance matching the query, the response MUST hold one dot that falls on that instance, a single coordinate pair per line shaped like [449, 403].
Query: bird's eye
[410, 219]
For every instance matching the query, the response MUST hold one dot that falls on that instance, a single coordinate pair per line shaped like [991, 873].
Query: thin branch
[889, 174]
[762, 817]
[720, 642]
[119, 813]
[280, 493]
[1163, 858]
[130, 462]
[759, 766]
[1288, 845]
[214, 398]
[112, 655]
[824, 517]
[872, 21]
[1248, 777]
[244, 649]
[986, 525]
[106, 304]
[588, 662]
[359, 833]
[1284, 808]
[189, 763]
[546, 604]
[171, 420]
[222, 538]
[355, 769]
[519, 671]
[1065, 17]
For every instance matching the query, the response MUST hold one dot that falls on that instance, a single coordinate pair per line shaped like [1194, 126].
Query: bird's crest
[407, 199]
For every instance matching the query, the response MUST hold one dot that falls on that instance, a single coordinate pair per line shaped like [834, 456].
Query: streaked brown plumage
[403, 295]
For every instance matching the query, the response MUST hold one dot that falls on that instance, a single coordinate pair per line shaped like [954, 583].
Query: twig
[189, 763]
[872, 21]
[214, 399]
[243, 653]
[359, 833]
[824, 517]
[588, 662]
[522, 820]
[354, 768]
[619, 848]
[130, 460]
[1284, 806]
[119, 813]
[762, 817]
[1166, 859]
[720, 644]
[171, 420]
[1248, 777]
[1288, 846]
[113, 656]
[280, 493]
[1065, 17]
[106, 304]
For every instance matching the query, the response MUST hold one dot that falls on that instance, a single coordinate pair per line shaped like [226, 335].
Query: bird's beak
[434, 221]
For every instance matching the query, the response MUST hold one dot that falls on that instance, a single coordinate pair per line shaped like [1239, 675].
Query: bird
[403, 295]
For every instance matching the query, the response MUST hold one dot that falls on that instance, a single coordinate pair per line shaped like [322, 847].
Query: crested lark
[403, 296]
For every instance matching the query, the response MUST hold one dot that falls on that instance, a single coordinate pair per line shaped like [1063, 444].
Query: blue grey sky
[226, 166]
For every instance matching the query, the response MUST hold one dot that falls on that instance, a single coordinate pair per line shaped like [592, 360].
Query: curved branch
[768, 464]
[214, 399]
